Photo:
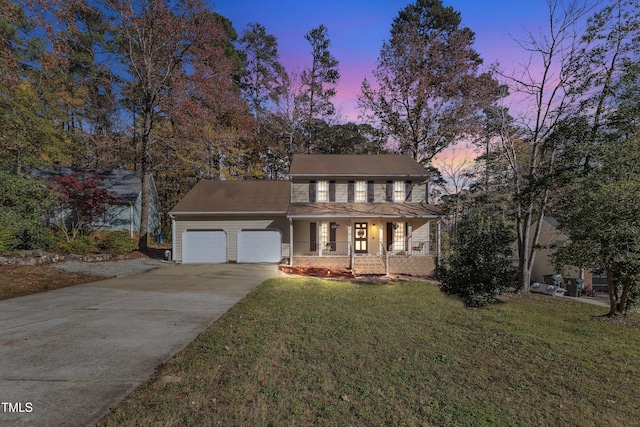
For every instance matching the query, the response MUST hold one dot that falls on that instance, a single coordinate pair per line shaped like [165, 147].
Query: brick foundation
[322, 262]
[413, 265]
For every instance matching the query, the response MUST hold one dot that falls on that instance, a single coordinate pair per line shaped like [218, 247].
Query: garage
[202, 246]
[259, 246]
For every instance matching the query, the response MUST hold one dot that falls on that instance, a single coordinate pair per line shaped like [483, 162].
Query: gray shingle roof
[353, 165]
[123, 184]
[235, 197]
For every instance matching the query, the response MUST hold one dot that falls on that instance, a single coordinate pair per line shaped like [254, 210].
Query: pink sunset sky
[357, 29]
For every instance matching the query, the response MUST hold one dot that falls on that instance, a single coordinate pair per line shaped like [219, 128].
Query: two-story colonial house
[369, 213]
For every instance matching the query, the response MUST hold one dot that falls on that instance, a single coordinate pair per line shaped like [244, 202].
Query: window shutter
[350, 191]
[332, 191]
[370, 191]
[332, 236]
[426, 192]
[407, 191]
[406, 236]
[312, 191]
[389, 235]
[389, 191]
[313, 230]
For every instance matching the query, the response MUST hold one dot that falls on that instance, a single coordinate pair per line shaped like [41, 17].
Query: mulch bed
[318, 272]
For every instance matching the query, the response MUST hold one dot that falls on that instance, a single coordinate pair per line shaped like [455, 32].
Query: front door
[361, 237]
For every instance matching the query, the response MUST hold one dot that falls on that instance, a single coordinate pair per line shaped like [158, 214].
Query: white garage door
[204, 246]
[259, 246]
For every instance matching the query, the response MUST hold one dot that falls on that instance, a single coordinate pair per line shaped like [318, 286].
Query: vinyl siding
[419, 193]
[231, 227]
[300, 192]
[342, 191]
[380, 192]
[420, 231]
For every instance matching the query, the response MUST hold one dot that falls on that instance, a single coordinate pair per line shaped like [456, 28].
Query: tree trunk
[144, 211]
[144, 168]
[524, 274]
[622, 304]
[613, 300]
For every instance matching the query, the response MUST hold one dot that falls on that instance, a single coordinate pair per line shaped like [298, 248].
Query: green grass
[316, 352]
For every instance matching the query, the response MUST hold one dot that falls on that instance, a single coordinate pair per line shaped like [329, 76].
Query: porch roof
[363, 210]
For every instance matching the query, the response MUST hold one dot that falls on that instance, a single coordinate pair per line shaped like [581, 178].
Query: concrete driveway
[68, 355]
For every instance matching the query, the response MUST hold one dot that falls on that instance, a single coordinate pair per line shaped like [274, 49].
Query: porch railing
[417, 248]
[385, 258]
[316, 248]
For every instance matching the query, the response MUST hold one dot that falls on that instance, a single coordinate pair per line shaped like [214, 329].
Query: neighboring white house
[543, 264]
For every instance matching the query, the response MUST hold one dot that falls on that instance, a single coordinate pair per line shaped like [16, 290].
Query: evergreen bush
[481, 266]
[117, 243]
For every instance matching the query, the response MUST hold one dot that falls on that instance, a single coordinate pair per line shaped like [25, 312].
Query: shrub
[24, 204]
[117, 243]
[481, 266]
[9, 232]
[166, 233]
[81, 245]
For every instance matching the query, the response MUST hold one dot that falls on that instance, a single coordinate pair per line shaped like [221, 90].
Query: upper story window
[398, 191]
[322, 194]
[361, 191]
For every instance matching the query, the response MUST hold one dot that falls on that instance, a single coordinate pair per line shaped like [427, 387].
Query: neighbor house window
[323, 191]
[398, 191]
[361, 191]
[101, 220]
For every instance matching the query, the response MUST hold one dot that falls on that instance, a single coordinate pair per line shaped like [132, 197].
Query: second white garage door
[204, 246]
[259, 246]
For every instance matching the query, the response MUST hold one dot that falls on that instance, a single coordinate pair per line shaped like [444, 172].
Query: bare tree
[459, 171]
[544, 88]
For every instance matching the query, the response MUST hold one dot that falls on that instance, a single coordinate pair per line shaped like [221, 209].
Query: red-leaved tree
[82, 201]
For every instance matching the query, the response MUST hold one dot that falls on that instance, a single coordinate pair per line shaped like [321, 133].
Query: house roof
[208, 197]
[123, 184]
[355, 165]
[363, 210]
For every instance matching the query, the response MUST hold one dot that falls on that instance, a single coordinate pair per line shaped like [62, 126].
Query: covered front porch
[366, 245]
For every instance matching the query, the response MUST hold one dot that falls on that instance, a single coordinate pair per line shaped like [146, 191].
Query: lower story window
[324, 234]
[398, 236]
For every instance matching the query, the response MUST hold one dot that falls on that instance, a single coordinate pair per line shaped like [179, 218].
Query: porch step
[369, 264]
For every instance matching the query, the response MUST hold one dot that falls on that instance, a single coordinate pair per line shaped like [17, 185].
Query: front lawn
[311, 351]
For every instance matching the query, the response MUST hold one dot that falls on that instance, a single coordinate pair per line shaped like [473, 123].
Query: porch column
[319, 238]
[290, 242]
[380, 238]
[349, 236]
[438, 243]
[410, 238]
[428, 237]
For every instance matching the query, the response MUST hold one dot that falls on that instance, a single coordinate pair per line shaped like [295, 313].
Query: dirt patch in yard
[20, 280]
[625, 321]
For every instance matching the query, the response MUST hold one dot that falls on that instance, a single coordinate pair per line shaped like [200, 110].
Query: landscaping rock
[31, 258]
